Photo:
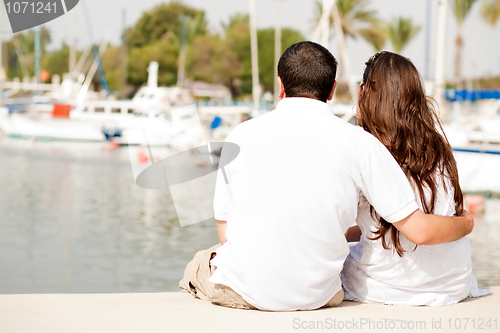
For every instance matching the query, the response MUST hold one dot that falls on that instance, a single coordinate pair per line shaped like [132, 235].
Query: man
[284, 203]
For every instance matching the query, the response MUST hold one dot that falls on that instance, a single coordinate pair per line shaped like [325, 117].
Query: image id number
[472, 323]
[33, 7]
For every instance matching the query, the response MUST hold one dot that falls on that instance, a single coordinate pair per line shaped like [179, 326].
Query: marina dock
[181, 312]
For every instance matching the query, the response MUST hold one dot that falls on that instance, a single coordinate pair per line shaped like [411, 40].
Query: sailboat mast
[255, 60]
[1, 52]
[439, 77]
[277, 49]
[427, 53]
[343, 50]
[2, 77]
[322, 31]
[72, 44]
[37, 54]
[124, 59]
[325, 23]
[181, 71]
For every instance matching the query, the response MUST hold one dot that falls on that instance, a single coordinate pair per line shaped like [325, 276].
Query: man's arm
[429, 229]
[221, 231]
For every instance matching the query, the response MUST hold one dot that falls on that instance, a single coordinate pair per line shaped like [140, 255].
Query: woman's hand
[353, 234]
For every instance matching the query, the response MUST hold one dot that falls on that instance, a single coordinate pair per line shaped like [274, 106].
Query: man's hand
[429, 229]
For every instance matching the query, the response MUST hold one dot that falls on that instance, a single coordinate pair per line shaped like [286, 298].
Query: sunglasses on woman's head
[369, 63]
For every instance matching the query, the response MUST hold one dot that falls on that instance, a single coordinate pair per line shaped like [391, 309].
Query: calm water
[72, 220]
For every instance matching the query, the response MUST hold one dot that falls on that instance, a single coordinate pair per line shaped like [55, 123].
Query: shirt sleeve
[385, 185]
[221, 197]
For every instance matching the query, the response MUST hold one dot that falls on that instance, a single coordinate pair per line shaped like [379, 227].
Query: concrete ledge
[180, 312]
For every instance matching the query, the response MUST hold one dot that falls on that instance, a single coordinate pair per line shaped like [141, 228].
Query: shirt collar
[303, 103]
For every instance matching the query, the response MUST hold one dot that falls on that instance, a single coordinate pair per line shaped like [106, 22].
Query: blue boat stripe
[477, 151]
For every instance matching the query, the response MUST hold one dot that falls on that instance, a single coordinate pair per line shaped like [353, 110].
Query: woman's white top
[431, 275]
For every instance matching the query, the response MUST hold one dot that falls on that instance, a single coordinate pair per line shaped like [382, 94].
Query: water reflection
[73, 221]
[485, 244]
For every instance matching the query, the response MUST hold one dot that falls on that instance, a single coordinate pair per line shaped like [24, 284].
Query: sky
[481, 54]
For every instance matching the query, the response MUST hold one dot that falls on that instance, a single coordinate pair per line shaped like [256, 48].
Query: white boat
[123, 121]
[475, 139]
[21, 127]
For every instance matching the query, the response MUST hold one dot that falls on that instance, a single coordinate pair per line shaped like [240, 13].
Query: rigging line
[97, 57]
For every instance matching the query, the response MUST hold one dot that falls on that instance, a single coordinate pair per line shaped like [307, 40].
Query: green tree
[21, 52]
[491, 11]
[461, 9]
[57, 61]
[375, 35]
[164, 21]
[211, 59]
[354, 16]
[234, 20]
[237, 38]
[401, 31]
[165, 52]
[237, 32]
[112, 67]
[265, 39]
[27, 40]
[157, 36]
[356, 21]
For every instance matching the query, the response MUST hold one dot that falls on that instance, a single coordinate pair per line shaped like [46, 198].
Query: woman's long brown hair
[392, 106]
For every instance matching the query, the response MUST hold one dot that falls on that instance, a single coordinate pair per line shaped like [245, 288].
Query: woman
[385, 267]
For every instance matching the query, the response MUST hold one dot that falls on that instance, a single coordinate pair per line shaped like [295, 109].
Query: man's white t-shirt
[291, 194]
[431, 275]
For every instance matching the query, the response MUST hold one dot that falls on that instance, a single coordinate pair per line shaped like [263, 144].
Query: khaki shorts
[196, 282]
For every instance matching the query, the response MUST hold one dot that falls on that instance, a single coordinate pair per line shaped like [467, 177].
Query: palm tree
[491, 11]
[356, 21]
[353, 14]
[234, 20]
[401, 31]
[461, 8]
[374, 35]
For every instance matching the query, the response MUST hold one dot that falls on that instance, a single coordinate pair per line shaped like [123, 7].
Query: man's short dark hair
[307, 69]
